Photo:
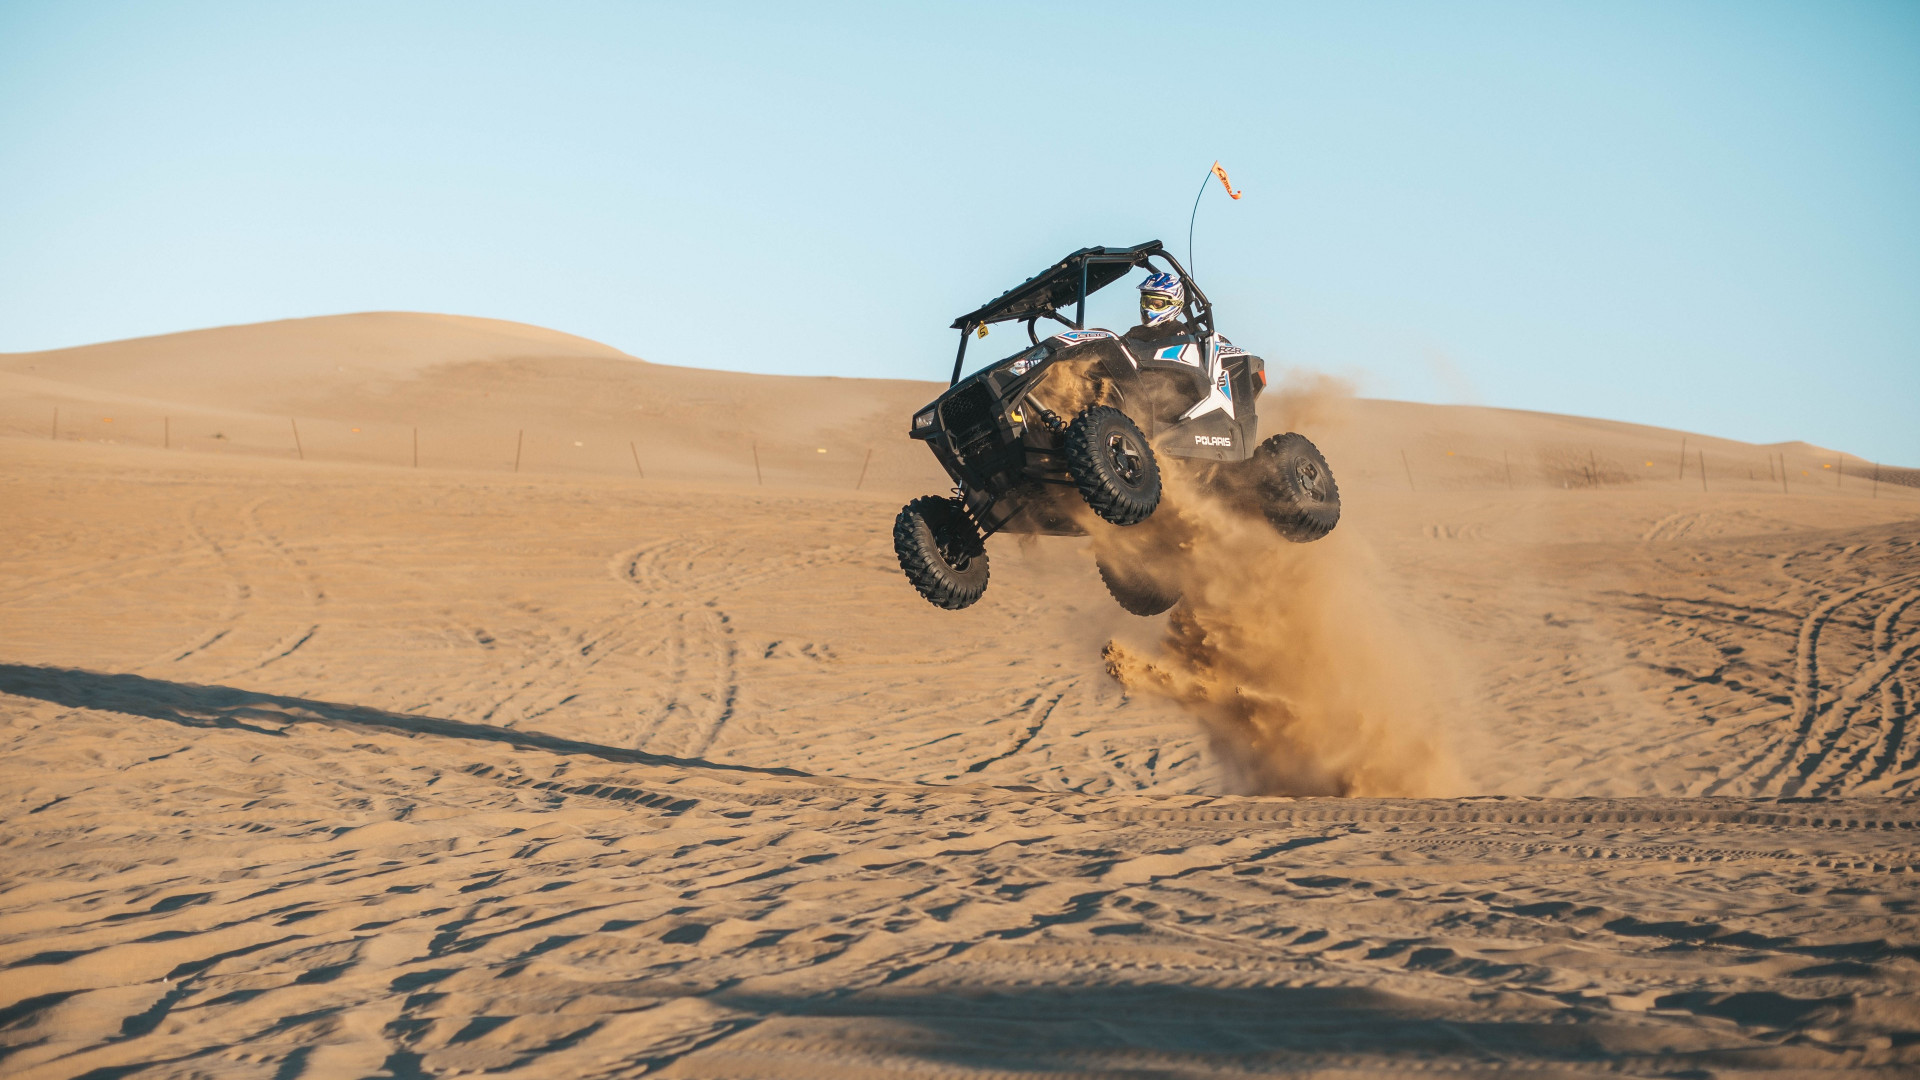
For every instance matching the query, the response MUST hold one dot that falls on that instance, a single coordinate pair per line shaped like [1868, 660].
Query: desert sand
[608, 740]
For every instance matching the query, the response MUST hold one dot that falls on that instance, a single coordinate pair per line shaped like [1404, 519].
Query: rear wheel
[1112, 465]
[941, 551]
[1295, 487]
[1137, 593]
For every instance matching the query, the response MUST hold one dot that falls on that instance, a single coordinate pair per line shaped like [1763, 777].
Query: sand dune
[339, 767]
[358, 386]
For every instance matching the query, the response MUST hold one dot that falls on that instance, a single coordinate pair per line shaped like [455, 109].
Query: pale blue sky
[1700, 215]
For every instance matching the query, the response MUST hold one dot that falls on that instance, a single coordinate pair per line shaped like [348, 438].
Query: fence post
[863, 469]
[56, 424]
[519, 443]
[1593, 468]
[1783, 473]
[1508, 462]
[1839, 471]
[416, 447]
[636, 459]
[757, 478]
[297, 448]
[1703, 470]
[1683, 459]
[1409, 468]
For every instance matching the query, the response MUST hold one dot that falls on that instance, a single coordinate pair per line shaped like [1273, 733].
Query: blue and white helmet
[1162, 296]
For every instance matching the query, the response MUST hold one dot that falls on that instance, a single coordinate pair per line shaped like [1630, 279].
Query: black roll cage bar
[1038, 296]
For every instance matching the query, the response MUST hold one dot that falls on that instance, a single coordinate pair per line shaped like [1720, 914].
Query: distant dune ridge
[320, 764]
[471, 385]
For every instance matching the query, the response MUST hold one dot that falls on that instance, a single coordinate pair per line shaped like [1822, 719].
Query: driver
[1162, 302]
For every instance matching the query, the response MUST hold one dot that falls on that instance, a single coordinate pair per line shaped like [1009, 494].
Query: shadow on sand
[194, 705]
[1159, 1030]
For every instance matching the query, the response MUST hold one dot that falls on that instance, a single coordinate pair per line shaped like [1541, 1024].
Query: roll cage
[1069, 282]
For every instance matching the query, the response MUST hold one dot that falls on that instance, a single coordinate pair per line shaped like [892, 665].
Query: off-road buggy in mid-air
[1079, 421]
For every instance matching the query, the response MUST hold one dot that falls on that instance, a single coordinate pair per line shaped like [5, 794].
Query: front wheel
[1112, 465]
[1295, 487]
[941, 551]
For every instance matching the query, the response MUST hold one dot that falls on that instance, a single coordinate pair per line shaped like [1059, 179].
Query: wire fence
[522, 450]
[775, 462]
[1576, 468]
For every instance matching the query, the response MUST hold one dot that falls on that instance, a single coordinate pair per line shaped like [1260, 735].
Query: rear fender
[1214, 436]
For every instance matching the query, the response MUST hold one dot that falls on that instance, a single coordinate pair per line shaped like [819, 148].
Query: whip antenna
[1216, 170]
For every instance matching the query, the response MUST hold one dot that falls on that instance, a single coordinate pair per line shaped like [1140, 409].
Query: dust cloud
[1289, 655]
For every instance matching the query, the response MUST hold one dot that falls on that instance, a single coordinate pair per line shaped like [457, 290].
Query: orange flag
[1224, 182]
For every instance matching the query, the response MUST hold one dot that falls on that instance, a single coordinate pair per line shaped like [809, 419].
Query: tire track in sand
[701, 690]
[1798, 750]
[1873, 689]
[238, 593]
[1037, 718]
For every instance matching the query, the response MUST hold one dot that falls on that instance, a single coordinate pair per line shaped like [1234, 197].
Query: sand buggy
[1067, 434]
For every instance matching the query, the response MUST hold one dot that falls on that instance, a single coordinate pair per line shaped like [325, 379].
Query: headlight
[1027, 363]
[923, 420]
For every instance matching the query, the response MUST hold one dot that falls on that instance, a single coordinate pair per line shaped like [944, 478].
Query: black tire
[1295, 487]
[1137, 594]
[941, 551]
[1113, 465]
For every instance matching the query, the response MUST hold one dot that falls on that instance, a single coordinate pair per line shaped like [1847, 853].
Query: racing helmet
[1162, 296]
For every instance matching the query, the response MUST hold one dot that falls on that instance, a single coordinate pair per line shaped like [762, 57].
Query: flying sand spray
[1297, 668]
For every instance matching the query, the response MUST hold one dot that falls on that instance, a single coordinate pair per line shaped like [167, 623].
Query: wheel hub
[954, 549]
[1126, 458]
